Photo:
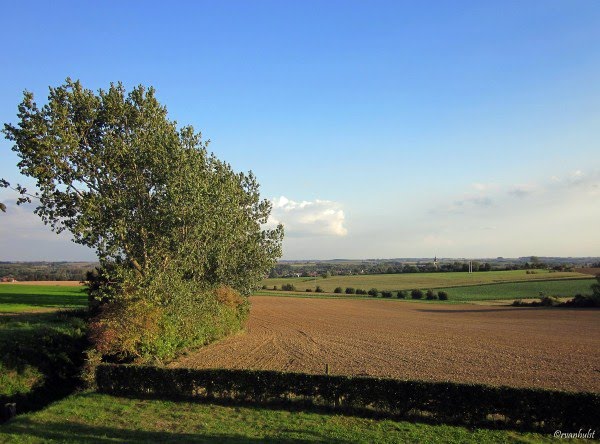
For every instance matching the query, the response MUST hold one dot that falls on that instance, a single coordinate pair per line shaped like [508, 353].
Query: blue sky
[379, 129]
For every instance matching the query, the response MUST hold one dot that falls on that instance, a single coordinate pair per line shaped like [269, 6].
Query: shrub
[361, 291]
[473, 405]
[430, 295]
[308, 290]
[274, 287]
[442, 296]
[288, 287]
[338, 290]
[416, 294]
[373, 292]
[401, 294]
[350, 290]
[145, 326]
[386, 294]
[319, 290]
[264, 287]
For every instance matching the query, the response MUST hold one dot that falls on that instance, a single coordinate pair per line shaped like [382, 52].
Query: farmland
[30, 297]
[353, 336]
[548, 348]
[407, 281]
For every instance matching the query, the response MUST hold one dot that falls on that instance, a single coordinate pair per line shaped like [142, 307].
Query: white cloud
[308, 218]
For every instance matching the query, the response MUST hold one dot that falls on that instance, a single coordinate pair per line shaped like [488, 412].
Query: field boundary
[439, 402]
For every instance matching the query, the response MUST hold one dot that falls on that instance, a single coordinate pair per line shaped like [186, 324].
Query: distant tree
[401, 294]
[338, 290]
[319, 289]
[416, 294]
[350, 290]
[373, 292]
[430, 295]
[386, 294]
[442, 296]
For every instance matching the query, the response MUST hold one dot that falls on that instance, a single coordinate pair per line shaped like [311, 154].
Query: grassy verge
[91, 417]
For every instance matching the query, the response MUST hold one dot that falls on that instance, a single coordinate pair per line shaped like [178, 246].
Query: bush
[338, 290]
[361, 291]
[143, 326]
[288, 287]
[401, 294]
[386, 294]
[416, 294]
[431, 295]
[350, 290]
[308, 290]
[264, 287]
[473, 405]
[319, 290]
[442, 296]
[274, 287]
[373, 292]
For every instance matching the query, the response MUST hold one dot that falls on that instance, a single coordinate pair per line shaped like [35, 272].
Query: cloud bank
[308, 218]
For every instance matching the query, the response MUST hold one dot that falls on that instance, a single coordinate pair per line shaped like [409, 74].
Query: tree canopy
[111, 168]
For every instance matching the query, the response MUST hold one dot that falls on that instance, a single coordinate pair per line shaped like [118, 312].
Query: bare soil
[554, 348]
[591, 271]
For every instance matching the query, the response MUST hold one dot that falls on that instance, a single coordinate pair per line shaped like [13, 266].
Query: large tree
[112, 169]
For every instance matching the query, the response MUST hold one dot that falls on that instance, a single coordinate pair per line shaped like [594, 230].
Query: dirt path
[537, 347]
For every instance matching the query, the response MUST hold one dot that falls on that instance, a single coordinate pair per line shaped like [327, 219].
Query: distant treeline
[330, 268]
[45, 271]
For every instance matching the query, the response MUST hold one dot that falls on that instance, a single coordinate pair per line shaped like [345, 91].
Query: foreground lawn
[18, 298]
[407, 281]
[91, 417]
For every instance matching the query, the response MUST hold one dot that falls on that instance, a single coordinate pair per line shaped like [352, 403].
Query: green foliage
[373, 292]
[166, 315]
[442, 295]
[468, 404]
[112, 169]
[416, 294]
[157, 208]
[430, 295]
[361, 291]
[402, 294]
[338, 290]
[350, 290]
[288, 287]
[319, 289]
[386, 294]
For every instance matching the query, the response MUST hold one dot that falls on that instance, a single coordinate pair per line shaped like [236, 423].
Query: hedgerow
[444, 402]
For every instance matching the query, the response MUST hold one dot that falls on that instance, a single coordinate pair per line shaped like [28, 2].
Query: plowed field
[526, 347]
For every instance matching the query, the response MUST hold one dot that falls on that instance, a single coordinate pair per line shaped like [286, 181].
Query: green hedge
[467, 404]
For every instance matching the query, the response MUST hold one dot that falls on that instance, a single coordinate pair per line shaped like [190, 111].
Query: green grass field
[91, 417]
[407, 281]
[520, 290]
[15, 298]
